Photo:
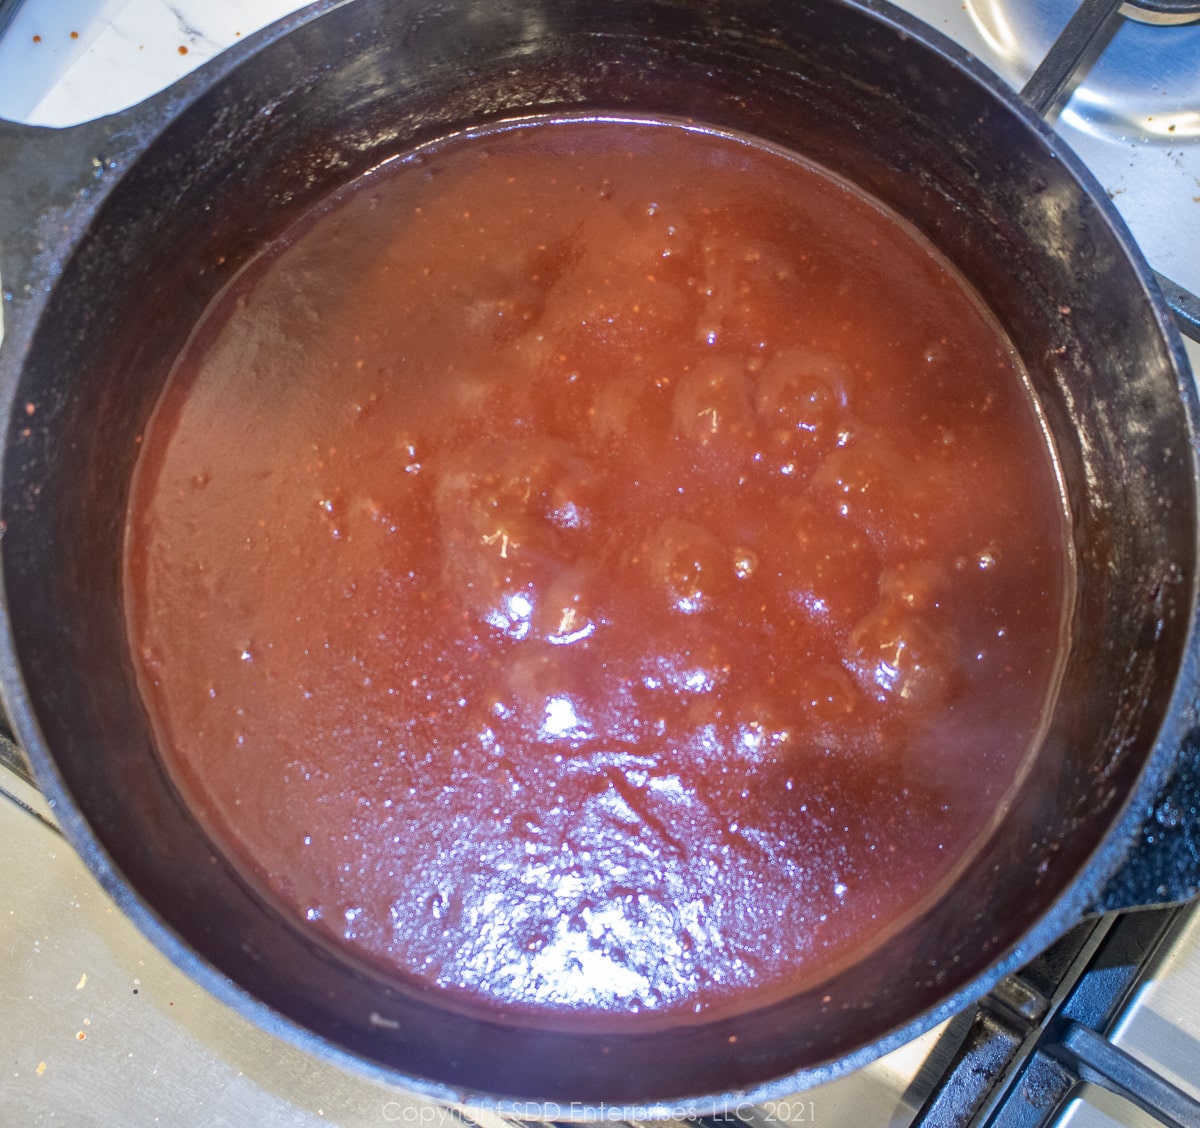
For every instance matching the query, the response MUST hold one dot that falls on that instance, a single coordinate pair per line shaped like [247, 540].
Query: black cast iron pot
[116, 235]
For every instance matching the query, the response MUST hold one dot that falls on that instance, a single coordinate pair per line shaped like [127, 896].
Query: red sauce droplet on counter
[601, 567]
[183, 50]
[74, 35]
[37, 39]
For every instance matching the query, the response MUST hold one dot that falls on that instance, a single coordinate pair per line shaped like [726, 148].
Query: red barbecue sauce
[598, 566]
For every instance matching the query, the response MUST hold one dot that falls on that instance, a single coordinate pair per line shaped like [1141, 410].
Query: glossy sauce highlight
[598, 567]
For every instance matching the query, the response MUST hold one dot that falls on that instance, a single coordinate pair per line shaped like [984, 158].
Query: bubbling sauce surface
[600, 567]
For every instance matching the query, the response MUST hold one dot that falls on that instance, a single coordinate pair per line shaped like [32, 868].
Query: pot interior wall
[836, 83]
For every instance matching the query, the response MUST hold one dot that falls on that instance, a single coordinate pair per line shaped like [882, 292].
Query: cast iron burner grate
[1071, 55]
[1020, 1057]
[1042, 1033]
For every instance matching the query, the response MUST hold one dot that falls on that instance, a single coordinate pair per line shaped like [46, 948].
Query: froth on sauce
[600, 567]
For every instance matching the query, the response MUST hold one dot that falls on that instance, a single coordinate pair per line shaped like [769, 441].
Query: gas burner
[1145, 85]
[1161, 11]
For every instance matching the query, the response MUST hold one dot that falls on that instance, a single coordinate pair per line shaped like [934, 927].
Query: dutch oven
[116, 235]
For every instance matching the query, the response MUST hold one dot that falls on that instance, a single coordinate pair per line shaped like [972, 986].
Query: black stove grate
[1034, 1041]
[1077, 48]
[1029, 1047]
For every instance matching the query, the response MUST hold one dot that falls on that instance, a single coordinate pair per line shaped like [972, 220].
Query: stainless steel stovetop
[97, 1028]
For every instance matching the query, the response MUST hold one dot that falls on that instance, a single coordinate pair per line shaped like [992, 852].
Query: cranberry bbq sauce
[598, 567]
